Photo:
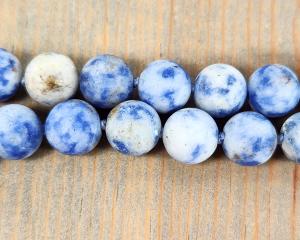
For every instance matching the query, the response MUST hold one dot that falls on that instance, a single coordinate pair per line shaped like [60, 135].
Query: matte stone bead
[106, 81]
[21, 132]
[164, 85]
[51, 78]
[220, 90]
[274, 90]
[133, 128]
[290, 133]
[190, 135]
[10, 75]
[73, 127]
[249, 139]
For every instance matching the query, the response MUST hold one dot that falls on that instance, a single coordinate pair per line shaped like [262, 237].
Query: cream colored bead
[51, 78]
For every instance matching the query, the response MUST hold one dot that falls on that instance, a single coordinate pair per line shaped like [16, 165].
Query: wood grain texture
[106, 195]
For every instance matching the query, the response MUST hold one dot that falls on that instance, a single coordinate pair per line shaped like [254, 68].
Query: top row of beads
[106, 81]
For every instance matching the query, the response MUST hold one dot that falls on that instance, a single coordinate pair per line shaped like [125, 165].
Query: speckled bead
[274, 90]
[164, 85]
[133, 128]
[73, 127]
[190, 135]
[51, 78]
[21, 132]
[250, 139]
[290, 137]
[106, 81]
[220, 90]
[10, 75]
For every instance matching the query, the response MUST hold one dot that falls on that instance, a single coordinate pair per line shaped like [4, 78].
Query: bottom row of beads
[190, 135]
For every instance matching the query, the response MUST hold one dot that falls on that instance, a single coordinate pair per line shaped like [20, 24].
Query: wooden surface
[106, 195]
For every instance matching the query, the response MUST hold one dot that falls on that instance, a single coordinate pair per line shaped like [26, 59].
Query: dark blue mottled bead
[73, 127]
[274, 90]
[106, 81]
[10, 75]
[21, 132]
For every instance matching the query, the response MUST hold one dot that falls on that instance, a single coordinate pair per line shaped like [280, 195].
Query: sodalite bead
[274, 90]
[133, 128]
[21, 132]
[51, 78]
[106, 81]
[220, 90]
[73, 127]
[249, 139]
[10, 75]
[290, 132]
[164, 85]
[190, 135]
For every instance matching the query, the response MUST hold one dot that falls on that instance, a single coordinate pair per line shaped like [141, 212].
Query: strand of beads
[190, 135]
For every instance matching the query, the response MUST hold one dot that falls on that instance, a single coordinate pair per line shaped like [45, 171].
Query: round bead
[21, 132]
[274, 90]
[73, 127]
[106, 81]
[290, 132]
[249, 139]
[133, 128]
[190, 135]
[164, 85]
[220, 90]
[51, 78]
[10, 75]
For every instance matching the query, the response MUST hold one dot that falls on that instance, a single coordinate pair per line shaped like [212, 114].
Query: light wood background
[106, 195]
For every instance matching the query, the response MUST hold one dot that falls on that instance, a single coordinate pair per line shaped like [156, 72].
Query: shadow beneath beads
[20, 96]
[159, 148]
[43, 151]
[219, 152]
[42, 112]
[104, 144]
[278, 155]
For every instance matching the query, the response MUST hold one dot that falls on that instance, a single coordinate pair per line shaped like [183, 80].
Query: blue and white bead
[274, 90]
[190, 135]
[10, 75]
[106, 81]
[220, 90]
[290, 133]
[21, 132]
[51, 78]
[164, 85]
[73, 127]
[133, 128]
[250, 139]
